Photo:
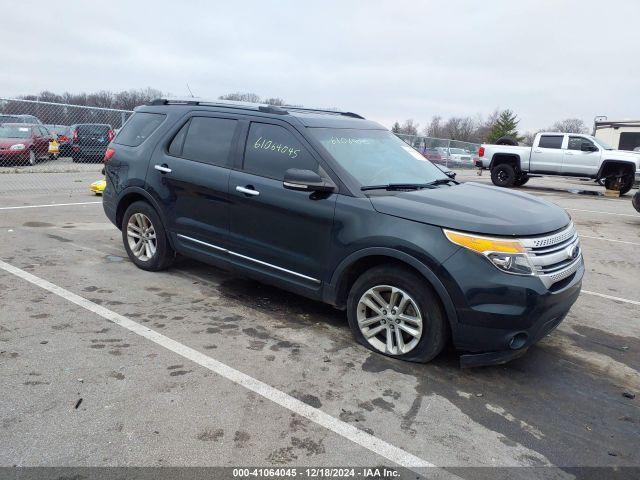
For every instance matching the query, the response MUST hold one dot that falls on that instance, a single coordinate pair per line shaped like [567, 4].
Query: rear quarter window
[138, 128]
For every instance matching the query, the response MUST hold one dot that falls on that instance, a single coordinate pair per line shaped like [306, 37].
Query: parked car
[5, 118]
[64, 138]
[24, 144]
[433, 155]
[565, 154]
[89, 141]
[337, 208]
[459, 157]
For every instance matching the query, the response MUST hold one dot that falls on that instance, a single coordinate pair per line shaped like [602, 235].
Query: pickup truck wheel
[623, 186]
[522, 180]
[635, 201]
[145, 239]
[503, 175]
[393, 311]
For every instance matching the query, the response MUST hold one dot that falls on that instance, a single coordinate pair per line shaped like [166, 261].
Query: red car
[23, 144]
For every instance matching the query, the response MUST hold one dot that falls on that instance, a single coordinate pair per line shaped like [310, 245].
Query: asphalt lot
[149, 402]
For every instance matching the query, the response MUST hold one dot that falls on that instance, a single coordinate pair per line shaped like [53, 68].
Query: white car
[564, 154]
[455, 157]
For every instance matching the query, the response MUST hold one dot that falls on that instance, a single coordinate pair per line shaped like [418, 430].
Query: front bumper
[7, 156]
[501, 315]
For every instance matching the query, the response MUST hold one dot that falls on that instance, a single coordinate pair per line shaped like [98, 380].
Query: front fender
[330, 291]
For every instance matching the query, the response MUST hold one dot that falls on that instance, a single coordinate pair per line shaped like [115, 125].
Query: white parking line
[611, 297]
[600, 211]
[48, 205]
[610, 240]
[370, 442]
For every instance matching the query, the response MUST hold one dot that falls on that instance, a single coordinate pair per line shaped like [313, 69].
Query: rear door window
[551, 141]
[138, 128]
[271, 150]
[205, 139]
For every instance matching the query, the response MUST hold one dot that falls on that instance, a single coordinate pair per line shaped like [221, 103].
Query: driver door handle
[162, 168]
[248, 190]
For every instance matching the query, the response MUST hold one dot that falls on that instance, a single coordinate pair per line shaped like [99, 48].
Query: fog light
[518, 341]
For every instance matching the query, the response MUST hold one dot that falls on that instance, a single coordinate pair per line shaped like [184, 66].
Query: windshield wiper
[444, 181]
[398, 186]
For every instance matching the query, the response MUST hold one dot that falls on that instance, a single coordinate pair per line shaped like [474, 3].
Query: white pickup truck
[564, 154]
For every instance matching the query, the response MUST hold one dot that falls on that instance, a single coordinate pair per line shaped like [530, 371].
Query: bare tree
[409, 127]
[570, 125]
[242, 97]
[435, 128]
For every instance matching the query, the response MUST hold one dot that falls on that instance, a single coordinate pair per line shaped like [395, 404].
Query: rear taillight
[481, 152]
[75, 135]
[108, 154]
[110, 135]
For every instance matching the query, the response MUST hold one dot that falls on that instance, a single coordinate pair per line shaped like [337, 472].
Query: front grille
[555, 257]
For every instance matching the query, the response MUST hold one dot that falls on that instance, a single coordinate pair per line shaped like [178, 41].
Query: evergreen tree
[506, 126]
[396, 128]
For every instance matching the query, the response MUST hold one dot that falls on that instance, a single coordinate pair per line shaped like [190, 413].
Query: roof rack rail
[320, 110]
[279, 110]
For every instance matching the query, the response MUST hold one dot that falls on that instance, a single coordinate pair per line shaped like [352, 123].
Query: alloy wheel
[141, 236]
[389, 319]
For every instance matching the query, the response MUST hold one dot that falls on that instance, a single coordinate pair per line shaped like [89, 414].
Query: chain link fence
[47, 146]
[52, 146]
[453, 154]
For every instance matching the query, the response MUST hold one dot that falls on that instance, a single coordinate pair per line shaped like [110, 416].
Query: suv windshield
[604, 145]
[7, 131]
[375, 157]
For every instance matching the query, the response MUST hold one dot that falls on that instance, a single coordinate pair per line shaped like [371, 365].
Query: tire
[635, 201]
[522, 180]
[507, 141]
[32, 159]
[153, 256]
[422, 303]
[610, 184]
[503, 175]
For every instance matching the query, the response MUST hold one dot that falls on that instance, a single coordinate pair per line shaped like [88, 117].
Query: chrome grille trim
[551, 255]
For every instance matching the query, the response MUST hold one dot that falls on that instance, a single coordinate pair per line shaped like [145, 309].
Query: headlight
[17, 146]
[508, 255]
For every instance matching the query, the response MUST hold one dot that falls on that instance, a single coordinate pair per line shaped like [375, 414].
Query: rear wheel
[623, 185]
[393, 311]
[503, 175]
[145, 238]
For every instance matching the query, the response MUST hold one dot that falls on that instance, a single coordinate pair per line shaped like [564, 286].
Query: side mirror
[307, 181]
[588, 147]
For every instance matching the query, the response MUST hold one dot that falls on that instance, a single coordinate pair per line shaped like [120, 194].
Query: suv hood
[477, 208]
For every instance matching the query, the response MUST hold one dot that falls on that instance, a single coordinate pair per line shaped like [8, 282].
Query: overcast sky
[393, 60]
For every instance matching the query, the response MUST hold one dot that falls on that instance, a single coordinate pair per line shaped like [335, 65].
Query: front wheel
[503, 175]
[393, 311]
[32, 158]
[522, 180]
[145, 238]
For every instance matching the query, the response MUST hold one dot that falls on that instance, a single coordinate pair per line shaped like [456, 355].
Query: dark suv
[89, 141]
[336, 208]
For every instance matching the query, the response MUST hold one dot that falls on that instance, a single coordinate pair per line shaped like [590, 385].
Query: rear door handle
[162, 168]
[248, 190]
